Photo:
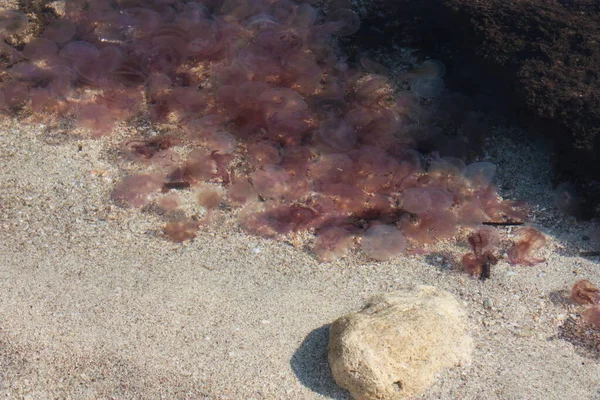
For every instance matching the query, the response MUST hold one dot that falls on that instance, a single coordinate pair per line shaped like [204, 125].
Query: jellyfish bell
[12, 22]
[427, 88]
[480, 174]
[339, 135]
[40, 49]
[382, 242]
[271, 180]
[332, 243]
[261, 21]
[432, 69]
[343, 22]
[416, 200]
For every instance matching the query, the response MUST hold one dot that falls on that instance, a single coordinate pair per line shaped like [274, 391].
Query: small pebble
[487, 304]
[523, 332]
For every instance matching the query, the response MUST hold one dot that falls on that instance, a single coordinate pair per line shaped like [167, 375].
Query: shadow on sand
[309, 363]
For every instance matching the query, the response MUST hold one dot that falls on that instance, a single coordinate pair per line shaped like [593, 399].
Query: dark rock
[539, 60]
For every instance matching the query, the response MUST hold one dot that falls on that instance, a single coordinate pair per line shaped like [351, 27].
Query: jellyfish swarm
[256, 97]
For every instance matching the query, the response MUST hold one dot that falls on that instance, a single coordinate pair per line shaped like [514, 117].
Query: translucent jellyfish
[416, 200]
[338, 134]
[446, 166]
[209, 198]
[181, 230]
[9, 53]
[110, 58]
[585, 293]
[566, 199]
[472, 264]
[15, 93]
[79, 51]
[199, 167]
[484, 239]
[44, 102]
[427, 87]
[40, 48]
[97, 118]
[526, 242]
[304, 73]
[278, 42]
[283, 110]
[158, 84]
[331, 168]
[204, 127]
[592, 316]
[192, 15]
[92, 68]
[344, 22]
[240, 193]
[169, 202]
[347, 198]
[332, 243]
[265, 152]
[372, 66]
[432, 69]
[223, 142]
[441, 199]
[12, 22]
[271, 180]
[305, 16]
[295, 159]
[382, 242]
[247, 93]
[205, 42]
[135, 190]
[261, 21]
[142, 21]
[26, 71]
[371, 88]
[165, 54]
[60, 31]
[480, 174]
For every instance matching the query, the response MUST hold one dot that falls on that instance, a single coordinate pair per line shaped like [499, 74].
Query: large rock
[393, 348]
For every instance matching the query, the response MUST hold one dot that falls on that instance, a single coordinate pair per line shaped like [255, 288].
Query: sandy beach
[95, 304]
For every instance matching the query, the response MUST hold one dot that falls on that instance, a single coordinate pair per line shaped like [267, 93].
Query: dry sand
[94, 304]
